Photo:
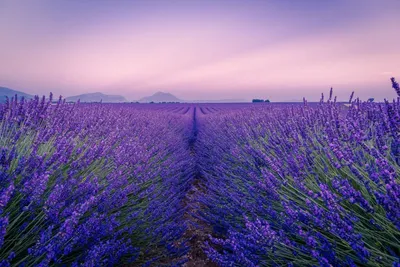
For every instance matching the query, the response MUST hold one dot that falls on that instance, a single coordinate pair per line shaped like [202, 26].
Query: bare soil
[198, 231]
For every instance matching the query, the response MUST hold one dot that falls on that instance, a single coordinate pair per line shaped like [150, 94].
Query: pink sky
[201, 50]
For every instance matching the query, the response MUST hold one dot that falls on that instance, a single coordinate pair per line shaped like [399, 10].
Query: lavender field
[307, 184]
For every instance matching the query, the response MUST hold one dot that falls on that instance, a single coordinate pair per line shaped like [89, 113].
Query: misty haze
[199, 133]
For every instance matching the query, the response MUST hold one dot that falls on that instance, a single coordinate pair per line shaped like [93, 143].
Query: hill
[160, 97]
[97, 97]
[7, 92]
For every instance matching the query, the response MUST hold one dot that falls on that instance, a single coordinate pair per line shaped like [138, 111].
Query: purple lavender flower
[351, 97]
[3, 229]
[395, 86]
[5, 196]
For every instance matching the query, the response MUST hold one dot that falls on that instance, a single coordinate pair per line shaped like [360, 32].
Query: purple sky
[277, 49]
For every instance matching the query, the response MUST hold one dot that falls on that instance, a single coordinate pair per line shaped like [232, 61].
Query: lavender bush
[303, 185]
[91, 184]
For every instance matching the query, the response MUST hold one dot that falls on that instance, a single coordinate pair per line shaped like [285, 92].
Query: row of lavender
[91, 184]
[302, 185]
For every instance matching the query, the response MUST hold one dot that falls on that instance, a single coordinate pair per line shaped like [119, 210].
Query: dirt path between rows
[198, 231]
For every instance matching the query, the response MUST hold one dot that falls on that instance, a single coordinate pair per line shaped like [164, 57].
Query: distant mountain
[7, 92]
[97, 97]
[160, 97]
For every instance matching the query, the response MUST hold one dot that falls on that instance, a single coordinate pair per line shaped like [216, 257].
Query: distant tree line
[261, 101]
